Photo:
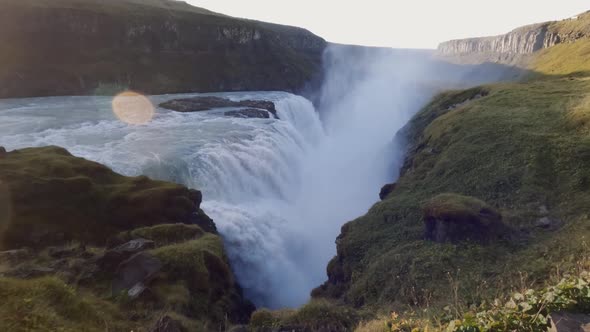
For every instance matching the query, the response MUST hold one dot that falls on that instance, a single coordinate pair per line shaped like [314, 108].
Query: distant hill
[518, 45]
[67, 47]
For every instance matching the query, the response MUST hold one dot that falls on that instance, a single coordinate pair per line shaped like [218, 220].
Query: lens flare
[133, 108]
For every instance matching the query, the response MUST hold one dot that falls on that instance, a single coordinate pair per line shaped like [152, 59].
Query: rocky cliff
[520, 42]
[158, 46]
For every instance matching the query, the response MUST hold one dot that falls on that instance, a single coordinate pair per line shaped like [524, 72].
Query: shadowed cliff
[73, 47]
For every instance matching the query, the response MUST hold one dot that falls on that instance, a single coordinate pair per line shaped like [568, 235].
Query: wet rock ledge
[252, 108]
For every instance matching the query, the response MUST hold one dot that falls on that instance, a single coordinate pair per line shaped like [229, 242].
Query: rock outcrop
[90, 229]
[456, 218]
[198, 104]
[56, 197]
[519, 43]
[72, 47]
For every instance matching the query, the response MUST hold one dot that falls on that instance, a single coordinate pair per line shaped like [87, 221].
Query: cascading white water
[249, 170]
[278, 190]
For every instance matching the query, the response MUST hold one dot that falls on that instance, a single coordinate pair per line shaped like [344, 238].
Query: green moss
[48, 304]
[456, 207]
[317, 315]
[55, 197]
[200, 268]
[164, 234]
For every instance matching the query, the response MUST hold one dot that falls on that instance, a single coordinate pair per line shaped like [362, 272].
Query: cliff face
[522, 41]
[157, 46]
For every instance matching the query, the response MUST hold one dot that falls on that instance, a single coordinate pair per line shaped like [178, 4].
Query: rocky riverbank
[88, 249]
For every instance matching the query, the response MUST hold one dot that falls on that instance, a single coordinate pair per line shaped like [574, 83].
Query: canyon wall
[65, 47]
[518, 44]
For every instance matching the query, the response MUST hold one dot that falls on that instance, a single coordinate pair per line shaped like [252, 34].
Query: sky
[396, 23]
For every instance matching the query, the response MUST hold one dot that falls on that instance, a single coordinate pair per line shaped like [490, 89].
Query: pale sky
[395, 23]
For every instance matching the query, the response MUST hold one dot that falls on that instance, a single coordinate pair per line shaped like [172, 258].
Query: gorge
[283, 185]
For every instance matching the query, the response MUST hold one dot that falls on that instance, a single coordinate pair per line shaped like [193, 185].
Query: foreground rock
[207, 103]
[386, 190]
[134, 274]
[455, 218]
[91, 229]
[56, 198]
[568, 322]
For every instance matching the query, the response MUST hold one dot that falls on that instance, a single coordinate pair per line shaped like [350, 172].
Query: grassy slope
[523, 146]
[54, 198]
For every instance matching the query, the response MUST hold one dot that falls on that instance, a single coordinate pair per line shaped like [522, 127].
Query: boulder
[134, 274]
[166, 324]
[206, 103]
[548, 223]
[248, 113]
[2, 151]
[386, 190]
[456, 218]
[14, 256]
[568, 322]
[113, 257]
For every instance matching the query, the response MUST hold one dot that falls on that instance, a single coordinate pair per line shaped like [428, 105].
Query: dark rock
[197, 104]
[29, 271]
[135, 273]
[14, 256]
[386, 190]
[2, 151]
[204, 221]
[61, 252]
[455, 218]
[166, 324]
[51, 177]
[248, 113]
[548, 223]
[113, 257]
[568, 322]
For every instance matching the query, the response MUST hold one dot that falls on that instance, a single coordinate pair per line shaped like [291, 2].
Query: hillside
[91, 250]
[91, 47]
[517, 46]
[494, 194]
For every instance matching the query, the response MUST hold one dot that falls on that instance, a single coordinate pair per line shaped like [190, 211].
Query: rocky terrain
[517, 45]
[88, 249]
[73, 47]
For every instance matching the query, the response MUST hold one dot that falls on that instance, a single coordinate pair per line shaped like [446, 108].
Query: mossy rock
[317, 315]
[162, 235]
[200, 268]
[53, 197]
[456, 218]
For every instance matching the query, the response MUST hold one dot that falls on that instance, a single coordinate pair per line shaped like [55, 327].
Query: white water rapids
[278, 189]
